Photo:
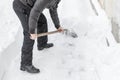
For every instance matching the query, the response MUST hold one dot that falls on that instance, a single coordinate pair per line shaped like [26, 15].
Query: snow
[94, 55]
[116, 11]
[8, 24]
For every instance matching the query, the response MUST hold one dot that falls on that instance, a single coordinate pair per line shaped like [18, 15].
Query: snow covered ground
[8, 24]
[94, 55]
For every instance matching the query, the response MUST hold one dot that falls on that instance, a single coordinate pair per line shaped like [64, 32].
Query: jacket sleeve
[37, 9]
[54, 16]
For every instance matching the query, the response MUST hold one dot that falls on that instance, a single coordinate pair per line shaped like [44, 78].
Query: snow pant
[23, 12]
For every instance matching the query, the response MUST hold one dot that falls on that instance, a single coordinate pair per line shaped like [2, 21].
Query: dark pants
[27, 49]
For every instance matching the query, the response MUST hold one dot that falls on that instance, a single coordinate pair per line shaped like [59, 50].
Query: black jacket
[37, 6]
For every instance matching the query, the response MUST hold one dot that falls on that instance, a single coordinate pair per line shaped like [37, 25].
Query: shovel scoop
[70, 33]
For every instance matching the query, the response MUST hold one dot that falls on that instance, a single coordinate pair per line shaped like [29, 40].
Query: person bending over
[33, 22]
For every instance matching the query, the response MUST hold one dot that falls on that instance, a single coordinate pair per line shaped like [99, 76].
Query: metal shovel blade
[70, 33]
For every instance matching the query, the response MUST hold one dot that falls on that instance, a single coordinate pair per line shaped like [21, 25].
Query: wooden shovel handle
[48, 33]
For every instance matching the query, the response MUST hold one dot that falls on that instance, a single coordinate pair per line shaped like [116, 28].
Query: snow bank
[116, 11]
[8, 24]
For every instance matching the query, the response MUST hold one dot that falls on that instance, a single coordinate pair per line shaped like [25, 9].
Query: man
[30, 14]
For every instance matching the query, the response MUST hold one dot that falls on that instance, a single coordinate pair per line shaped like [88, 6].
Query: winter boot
[30, 69]
[48, 45]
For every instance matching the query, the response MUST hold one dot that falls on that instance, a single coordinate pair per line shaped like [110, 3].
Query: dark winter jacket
[37, 6]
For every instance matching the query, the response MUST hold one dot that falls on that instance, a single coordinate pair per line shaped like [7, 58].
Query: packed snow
[8, 25]
[94, 55]
[116, 11]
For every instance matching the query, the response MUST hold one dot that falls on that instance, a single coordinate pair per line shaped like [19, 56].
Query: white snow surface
[8, 24]
[94, 55]
[116, 11]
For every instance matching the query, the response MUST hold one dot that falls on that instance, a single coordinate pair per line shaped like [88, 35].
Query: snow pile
[88, 57]
[8, 24]
[116, 11]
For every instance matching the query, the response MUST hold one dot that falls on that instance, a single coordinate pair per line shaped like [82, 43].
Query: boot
[48, 45]
[30, 69]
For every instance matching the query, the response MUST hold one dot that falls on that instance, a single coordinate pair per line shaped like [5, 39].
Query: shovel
[65, 31]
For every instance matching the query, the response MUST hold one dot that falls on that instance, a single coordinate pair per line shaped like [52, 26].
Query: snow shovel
[66, 32]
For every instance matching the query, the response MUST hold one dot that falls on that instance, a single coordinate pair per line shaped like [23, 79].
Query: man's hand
[60, 29]
[33, 36]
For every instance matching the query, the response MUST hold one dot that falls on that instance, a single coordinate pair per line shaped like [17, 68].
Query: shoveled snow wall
[9, 26]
